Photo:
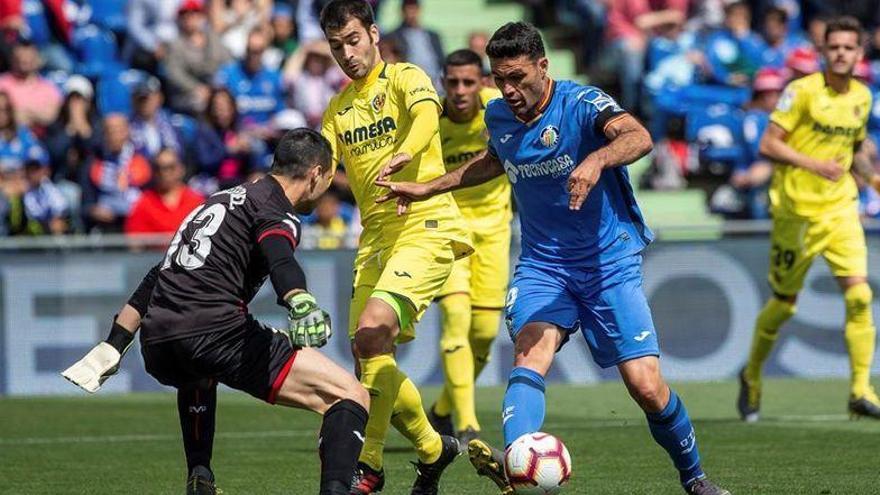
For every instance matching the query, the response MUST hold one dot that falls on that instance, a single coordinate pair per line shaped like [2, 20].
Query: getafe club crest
[550, 136]
[378, 102]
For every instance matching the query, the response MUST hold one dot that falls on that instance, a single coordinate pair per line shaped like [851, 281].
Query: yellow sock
[381, 377]
[410, 420]
[859, 335]
[458, 361]
[772, 316]
[484, 329]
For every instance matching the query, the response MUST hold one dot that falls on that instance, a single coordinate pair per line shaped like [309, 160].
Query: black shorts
[252, 358]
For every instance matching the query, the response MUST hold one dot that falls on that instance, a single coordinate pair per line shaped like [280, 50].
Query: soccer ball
[537, 464]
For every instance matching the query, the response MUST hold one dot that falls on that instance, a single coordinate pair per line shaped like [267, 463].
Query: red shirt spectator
[162, 209]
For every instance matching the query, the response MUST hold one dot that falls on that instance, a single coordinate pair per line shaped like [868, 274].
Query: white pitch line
[148, 437]
[818, 418]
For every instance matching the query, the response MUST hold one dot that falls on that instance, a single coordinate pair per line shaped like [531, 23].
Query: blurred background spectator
[420, 46]
[151, 27]
[112, 181]
[193, 59]
[36, 99]
[162, 207]
[150, 125]
[312, 78]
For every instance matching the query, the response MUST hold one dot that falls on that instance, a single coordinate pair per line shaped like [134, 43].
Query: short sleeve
[415, 86]
[595, 110]
[790, 107]
[272, 220]
[328, 130]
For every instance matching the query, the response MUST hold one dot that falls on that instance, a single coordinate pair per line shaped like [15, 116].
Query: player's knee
[371, 341]
[649, 394]
[454, 343]
[535, 347]
[357, 393]
[858, 297]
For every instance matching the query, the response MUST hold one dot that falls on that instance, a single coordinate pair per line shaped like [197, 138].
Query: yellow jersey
[485, 206]
[365, 124]
[824, 125]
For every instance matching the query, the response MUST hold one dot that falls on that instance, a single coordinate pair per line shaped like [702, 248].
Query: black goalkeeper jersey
[214, 266]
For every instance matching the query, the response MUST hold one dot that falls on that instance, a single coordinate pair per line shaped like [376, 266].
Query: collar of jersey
[548, 96]
[368, 80]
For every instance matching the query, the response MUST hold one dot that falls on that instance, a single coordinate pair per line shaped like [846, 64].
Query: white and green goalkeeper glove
[90, 372]
[307, 324]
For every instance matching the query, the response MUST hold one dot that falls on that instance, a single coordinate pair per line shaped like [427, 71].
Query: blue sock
[523, 404]
[672, 429]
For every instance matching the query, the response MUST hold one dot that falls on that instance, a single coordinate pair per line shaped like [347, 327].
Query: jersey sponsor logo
[460, 158]
[343, 111]
[550, 136]
[370, 137]
[378, 102]
[554, 167]
[642, 336]
[402, 274]
[836, 130]
[505, 138]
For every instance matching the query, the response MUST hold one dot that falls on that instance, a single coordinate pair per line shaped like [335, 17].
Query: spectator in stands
[236, 19]
[801, 62]
[152, 26]
[284, 41]
[193, 59]
[46, 26]
[779, 41]
[225, 154]
[327, 222]
[45, 206]
[312, 78]
[17, 143]
[630, 23]
[734, 53]
[162, 208]
[257, 89]
[420, 46]
[816, 31]
[151, 128]
[113, 179]
[390, 51]
[71, 138]
[35, 98]
[752, 175]
[12, 188]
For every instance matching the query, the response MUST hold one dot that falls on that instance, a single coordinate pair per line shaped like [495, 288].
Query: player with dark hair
[386, 123]
[816, 136]
[564, 147]
[473, 297]
[196, 331]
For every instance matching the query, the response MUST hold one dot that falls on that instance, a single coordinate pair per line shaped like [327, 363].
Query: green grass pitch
[805, 444]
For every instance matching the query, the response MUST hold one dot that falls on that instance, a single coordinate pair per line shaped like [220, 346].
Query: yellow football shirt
[365, 124]
[824, 125]
[487, 205]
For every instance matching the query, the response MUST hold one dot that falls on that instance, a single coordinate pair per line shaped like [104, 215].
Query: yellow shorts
[484, 274]
[413, 270]
[795, 242]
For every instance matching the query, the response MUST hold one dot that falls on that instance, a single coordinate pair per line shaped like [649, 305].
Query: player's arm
[482, 168]
[308, 325]
[863, 163]
[103, 360]
[773, 146]
[425, 124]
[627, 140]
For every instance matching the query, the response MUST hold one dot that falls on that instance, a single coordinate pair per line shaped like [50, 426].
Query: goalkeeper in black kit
[196, 330]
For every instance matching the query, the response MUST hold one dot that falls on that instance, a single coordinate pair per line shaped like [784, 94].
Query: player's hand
[581, 181]
[397, 162]
[405, 192]
[90, 372]
[307, 324]
[829, 169]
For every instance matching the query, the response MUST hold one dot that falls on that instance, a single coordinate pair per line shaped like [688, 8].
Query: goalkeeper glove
[102, 362]
[307, 324]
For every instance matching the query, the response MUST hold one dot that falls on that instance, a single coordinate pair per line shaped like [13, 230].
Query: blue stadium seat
[96, 52]
[717, 129]
[109, 14]
[114, 91]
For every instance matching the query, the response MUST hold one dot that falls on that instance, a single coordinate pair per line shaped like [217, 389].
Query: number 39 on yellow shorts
[795, 242]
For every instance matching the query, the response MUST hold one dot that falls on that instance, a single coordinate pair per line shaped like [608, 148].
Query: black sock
[342, 437]
[197, 406]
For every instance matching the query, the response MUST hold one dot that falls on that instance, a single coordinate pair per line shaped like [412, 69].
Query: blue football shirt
[540, 155]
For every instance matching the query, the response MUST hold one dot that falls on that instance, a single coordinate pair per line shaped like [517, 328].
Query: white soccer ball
[537, 464]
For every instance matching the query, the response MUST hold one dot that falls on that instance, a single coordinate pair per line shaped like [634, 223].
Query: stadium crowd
[122, 116]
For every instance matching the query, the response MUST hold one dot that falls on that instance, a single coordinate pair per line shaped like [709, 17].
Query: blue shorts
[606, 303]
